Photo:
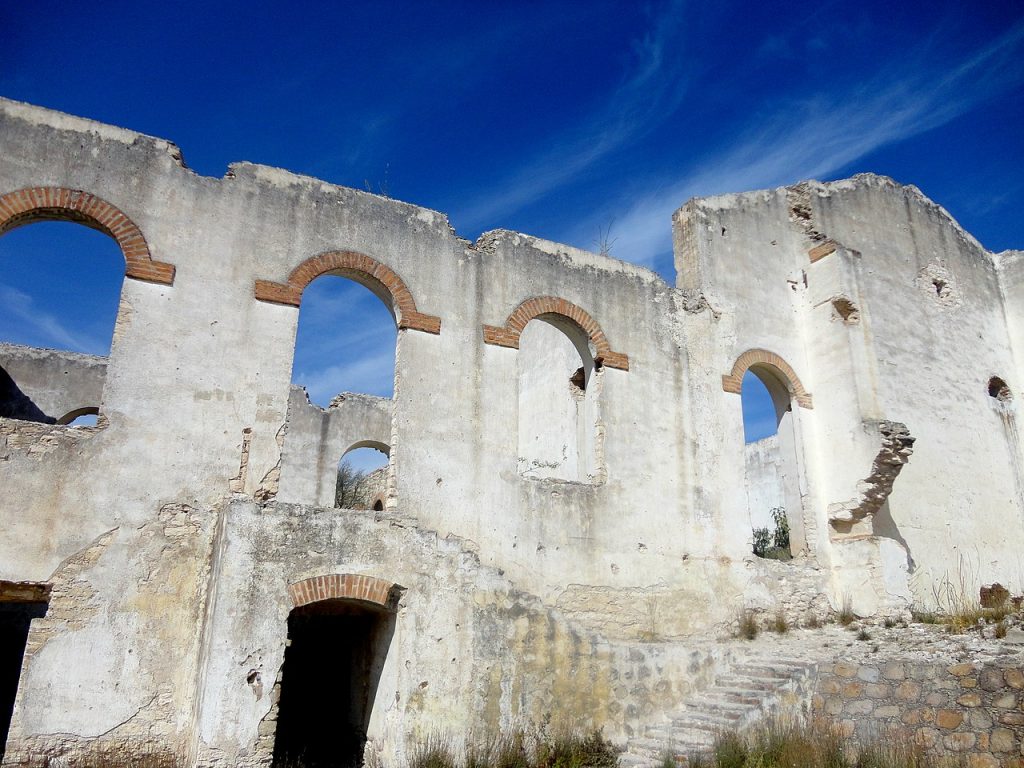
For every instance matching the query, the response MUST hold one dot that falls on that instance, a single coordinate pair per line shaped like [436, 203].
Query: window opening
[345, 342]
[362, 477]
[60, 288]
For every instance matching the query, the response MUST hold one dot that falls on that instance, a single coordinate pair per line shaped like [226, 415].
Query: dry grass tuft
[816, 744]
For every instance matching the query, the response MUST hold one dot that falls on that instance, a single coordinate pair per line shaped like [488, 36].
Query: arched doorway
[339, 633]
[774, 475]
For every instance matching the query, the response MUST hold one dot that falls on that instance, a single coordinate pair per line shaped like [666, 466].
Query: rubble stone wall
[970, 710]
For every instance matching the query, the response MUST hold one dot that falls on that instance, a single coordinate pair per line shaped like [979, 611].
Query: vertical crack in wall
[895, 450]
[237, 483]
[267, 490]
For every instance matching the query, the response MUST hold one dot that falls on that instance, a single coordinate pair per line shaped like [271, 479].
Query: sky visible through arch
[558, 118]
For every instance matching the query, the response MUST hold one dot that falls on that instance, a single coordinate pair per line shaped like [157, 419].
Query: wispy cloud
[22, 322]
[821, 134]
[650, 92]
[371, 374]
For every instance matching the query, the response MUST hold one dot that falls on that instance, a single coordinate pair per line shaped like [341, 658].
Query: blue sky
[554, 118]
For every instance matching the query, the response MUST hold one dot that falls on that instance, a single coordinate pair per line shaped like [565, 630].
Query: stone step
[732, 680]
[696, 735]
[739, 695]
[759, 671]
[711, 702]
[695, 717]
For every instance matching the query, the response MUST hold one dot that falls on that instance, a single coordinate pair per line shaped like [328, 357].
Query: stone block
[1011, 718]
[1014, 678]
[968, 682]
[859, 707]
[959, 742]
[982, 761]
[868, 674]
[834, 706]
[979, 720]
[894, 671]
[1005, 701]
[889, 710]
[948, 719]
[972, 699]
[908, 690]
[961, 670]
[991, 679]
[918, 715]
[853, 690]
[1002, 740]
[878, 690]
[842, 669]
[829, 686]
[936, 699]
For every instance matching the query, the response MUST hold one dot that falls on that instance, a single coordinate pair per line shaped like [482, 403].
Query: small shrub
[812, 621]
[780, 537]
[780, 625]
[433, 752]
[925, 617]
[889, 622]
[863, 634]
[747, 625]
[845, 614]
[1001, 629]
[762, 541]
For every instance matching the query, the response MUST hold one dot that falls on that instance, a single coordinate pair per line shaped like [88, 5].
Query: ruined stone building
[565, 525]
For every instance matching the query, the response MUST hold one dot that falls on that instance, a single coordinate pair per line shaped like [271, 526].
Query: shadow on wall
[15, 404]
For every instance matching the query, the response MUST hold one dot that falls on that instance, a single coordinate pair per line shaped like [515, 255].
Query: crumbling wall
[164, 533]
[49, 385]
[315, 439]
[469, 649]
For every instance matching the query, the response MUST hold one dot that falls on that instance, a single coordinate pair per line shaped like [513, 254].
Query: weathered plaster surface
[581, 570]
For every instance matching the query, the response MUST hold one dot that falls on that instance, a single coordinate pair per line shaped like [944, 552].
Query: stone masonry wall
[971, 710]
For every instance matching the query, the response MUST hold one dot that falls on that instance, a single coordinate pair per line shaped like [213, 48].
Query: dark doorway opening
[336, 651]
[15, 618]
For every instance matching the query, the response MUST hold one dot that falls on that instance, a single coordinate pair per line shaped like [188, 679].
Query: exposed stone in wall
[971, 710]
[895, 450]
[36, 440]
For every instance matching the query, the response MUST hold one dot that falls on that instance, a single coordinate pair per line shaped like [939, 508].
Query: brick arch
[733, 382]
[379, 278]
[25, 206]
[508, 334]
[343, 586]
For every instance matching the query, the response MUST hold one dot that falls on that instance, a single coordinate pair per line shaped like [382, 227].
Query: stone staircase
[739, 698]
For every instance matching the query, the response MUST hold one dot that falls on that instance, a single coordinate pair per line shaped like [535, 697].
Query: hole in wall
[845, 310]
[999, 390]
[578, 380]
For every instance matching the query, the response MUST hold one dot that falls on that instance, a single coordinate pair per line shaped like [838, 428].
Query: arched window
[60, 286]
[769, 390]
[559, 383]
[363, 477]
[345, 342]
